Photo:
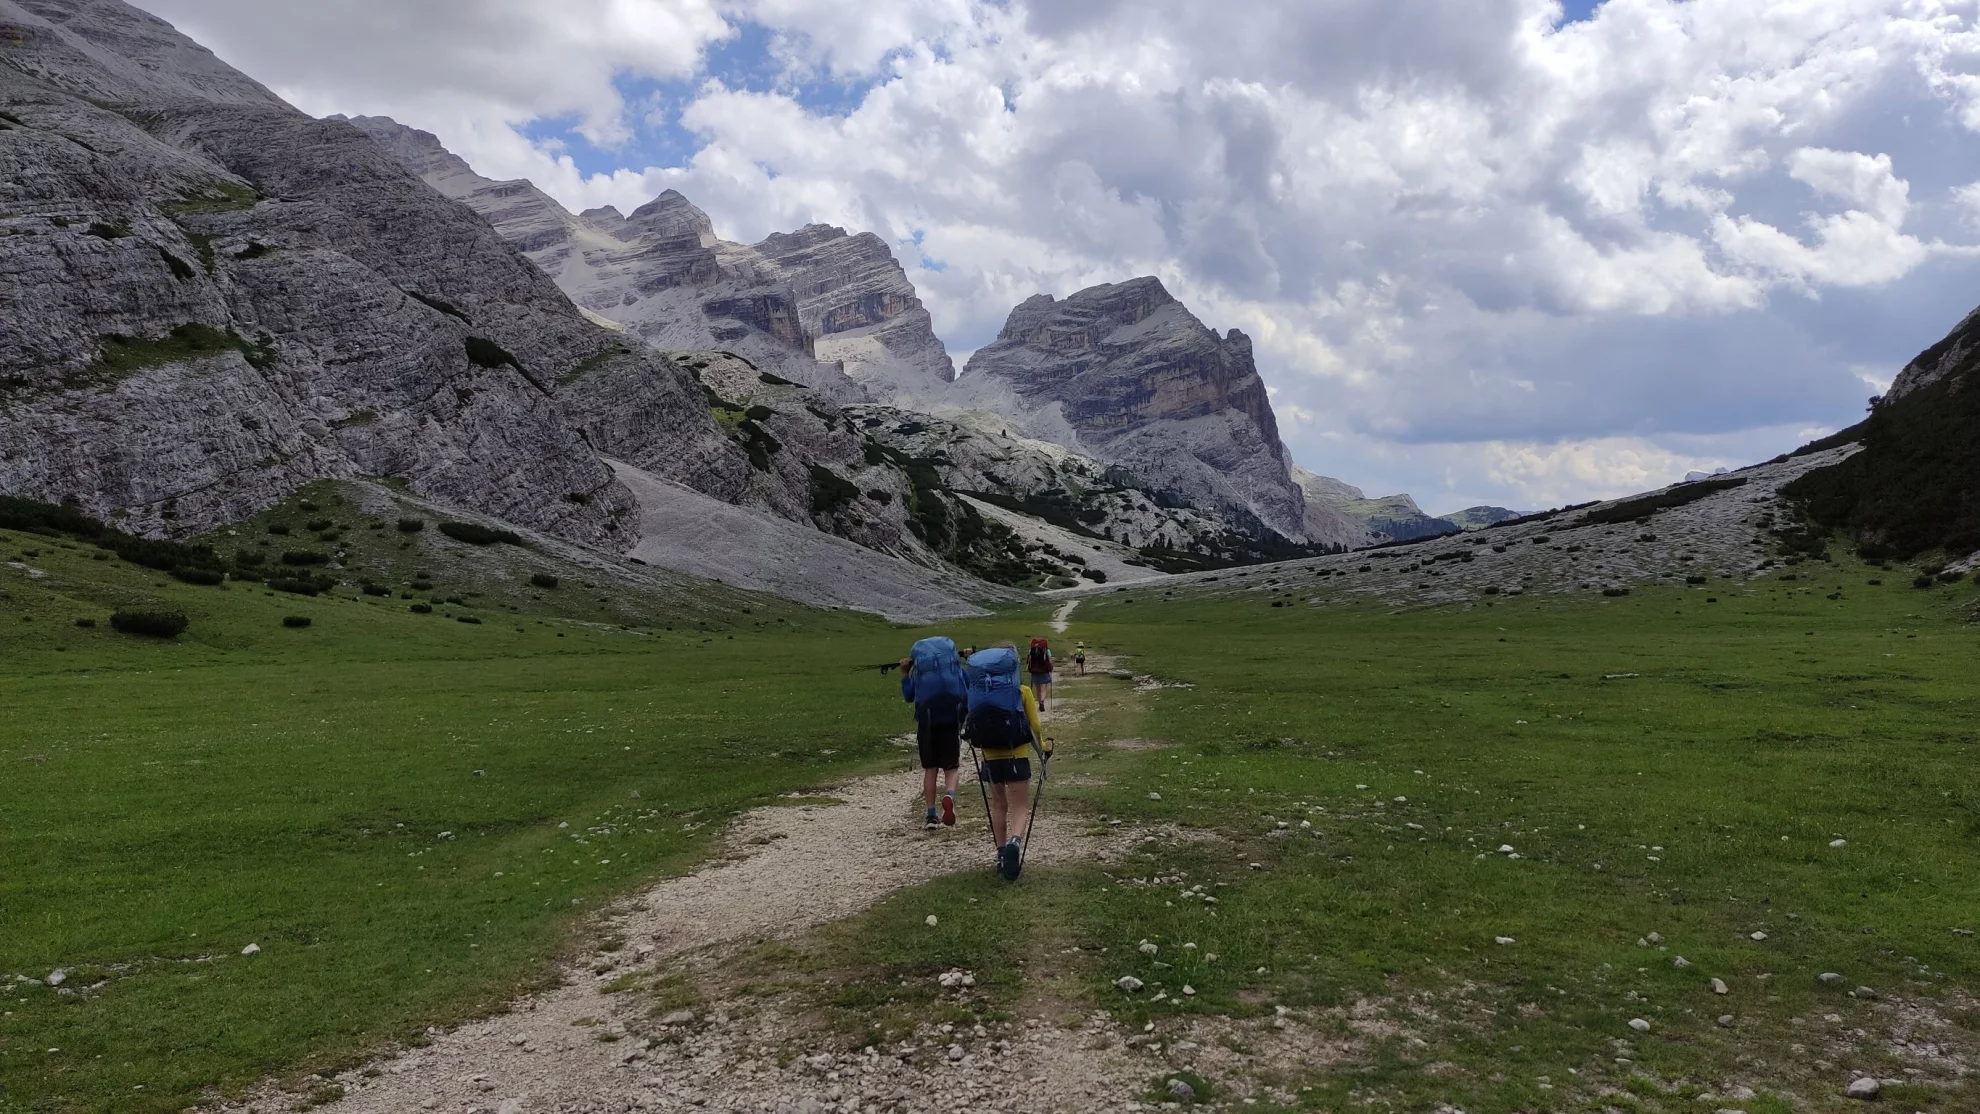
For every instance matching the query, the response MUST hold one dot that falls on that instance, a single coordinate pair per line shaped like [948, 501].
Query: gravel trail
[577, 1048]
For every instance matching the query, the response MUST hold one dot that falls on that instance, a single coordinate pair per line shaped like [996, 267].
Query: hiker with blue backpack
[1002, 724]
[932, 680]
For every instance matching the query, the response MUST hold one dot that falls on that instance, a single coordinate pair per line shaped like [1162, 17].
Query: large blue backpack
[937, 681]
[996, 700]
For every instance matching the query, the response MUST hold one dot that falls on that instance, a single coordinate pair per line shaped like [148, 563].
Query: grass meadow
[379, 802]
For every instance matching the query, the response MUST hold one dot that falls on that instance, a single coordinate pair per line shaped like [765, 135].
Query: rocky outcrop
[1956, 355]
[1388, 518]
[978, 454]
[1124, 373]
[830, 310]
[212, 298]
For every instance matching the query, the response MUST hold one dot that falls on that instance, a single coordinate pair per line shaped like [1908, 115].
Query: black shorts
[940, 745]
[1000, 771]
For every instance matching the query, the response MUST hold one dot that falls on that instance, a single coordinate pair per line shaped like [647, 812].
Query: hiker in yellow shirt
[1003, 725]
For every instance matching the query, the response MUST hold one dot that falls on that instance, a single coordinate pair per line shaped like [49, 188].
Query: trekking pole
[983, 787]
[1031, 822]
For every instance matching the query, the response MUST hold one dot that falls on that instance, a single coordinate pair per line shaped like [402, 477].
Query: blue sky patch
[748, 60]
[1576, 11]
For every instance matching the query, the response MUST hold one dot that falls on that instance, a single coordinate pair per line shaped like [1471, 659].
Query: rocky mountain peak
[1129, 374]
[670, 215]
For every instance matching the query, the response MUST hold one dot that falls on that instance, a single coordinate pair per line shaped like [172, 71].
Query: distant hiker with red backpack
[1003, 725]
[932, 680]
[1039, 664]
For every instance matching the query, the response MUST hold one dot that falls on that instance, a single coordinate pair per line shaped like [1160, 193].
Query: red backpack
[1040, 660]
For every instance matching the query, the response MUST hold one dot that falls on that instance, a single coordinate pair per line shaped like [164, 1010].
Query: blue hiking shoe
[1010, 859]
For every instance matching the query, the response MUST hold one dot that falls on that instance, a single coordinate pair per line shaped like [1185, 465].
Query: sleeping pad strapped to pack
[935, 684]
[997, 718]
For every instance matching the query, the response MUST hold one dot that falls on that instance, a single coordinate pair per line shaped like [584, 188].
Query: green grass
[1695, 797]
[1658, 763]
[169, 803]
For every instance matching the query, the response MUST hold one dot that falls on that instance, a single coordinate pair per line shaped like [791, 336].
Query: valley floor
[1341, 856]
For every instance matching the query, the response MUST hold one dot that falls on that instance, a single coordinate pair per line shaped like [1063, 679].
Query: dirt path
[1063, 616]
[583, 1049]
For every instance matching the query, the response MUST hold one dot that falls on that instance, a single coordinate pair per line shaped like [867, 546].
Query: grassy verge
[406, 815]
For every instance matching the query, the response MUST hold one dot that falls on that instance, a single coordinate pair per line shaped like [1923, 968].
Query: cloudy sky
[1494, 251]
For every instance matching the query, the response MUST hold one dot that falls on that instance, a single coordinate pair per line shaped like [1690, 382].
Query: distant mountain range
[213, 299]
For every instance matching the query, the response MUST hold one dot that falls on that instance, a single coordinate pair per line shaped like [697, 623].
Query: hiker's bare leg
[997, 814]
[928, 785]
[949, 777]
[1017, 797]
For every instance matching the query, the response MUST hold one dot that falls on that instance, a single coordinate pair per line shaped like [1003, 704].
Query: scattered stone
[1504, 940]
[933, 920]
[678, 1017]
[1865, 1087]
[1725, 1021]
[251, 949]
[1838, 843]
[955, 1053]
[1719, 987]
[1680, 962]
[510, 1106]
[1757, 937]
[1829, 978]
[57, 977]
[1128, 983]
[1639, 1024]
[1864, 993]
[1654, 938]
[1154, 796]
[1181, 1091]
[1189, 991]
[1148, 948]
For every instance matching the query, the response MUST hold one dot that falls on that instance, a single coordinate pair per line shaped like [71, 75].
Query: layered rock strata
[213, 298]
[827, 309]
[1124, 373]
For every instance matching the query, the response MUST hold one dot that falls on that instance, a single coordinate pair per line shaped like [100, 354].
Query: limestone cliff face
[818, 306]
[1124, 372]
[212, 298]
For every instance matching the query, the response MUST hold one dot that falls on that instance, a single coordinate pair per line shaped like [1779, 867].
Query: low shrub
[250, 558]
[151, 624]
[1694, 580]
[377, 590]
[296, 587]
[301, 557]
[1615, 591]
[421, 609]
[1491, 589]
[474, 533]
[278, 529]
[421, 585]
[543, 580]
[411, 525]
[1952, 576]
[1095, 575]
[1923, 582]
[318, 524]
[295, 620]
[208, 577]
[467, 619]
[90, 623]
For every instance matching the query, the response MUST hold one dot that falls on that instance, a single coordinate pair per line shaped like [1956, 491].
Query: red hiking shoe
[948, 811]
